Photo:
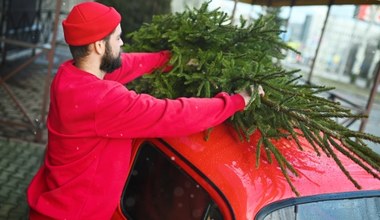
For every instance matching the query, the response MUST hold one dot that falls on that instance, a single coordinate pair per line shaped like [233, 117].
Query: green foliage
[209, 55]
[136, 12]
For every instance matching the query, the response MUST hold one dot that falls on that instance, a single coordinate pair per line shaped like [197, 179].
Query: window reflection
[347, 209]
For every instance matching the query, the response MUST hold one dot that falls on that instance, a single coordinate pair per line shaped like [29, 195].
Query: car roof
[231, 165]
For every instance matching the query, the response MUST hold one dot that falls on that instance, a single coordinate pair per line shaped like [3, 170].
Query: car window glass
[158, 189]
[348, 209]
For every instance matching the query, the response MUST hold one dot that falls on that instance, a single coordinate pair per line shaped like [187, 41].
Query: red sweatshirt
[91, 124]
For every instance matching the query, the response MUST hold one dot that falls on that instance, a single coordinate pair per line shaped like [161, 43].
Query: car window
[158, 188]
[363, 208]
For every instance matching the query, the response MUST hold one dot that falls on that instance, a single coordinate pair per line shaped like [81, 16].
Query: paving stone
[5, 209]
[13, 200]
[5, 191]
[13, 182]
[16, 171]
[11, 168]
[21, 174]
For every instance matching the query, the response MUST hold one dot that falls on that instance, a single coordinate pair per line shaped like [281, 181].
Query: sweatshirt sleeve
[137, 64]
[124, 114]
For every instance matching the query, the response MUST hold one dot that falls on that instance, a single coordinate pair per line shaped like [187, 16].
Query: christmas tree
[210, 55]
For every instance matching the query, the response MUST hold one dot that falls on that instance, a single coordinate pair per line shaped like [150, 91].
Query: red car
[190, 178]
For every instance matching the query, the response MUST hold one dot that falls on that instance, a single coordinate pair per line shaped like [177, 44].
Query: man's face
[111, 59]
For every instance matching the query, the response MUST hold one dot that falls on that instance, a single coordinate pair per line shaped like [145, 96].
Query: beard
[110, 63]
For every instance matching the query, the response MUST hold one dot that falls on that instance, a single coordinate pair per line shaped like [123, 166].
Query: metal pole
[319, 42]
[12, 95]
[371, 99]
[24, 44]
[19, 68]
[50, 68]
[18, 104]
[292, 3]
[234, 11]
[14, 123]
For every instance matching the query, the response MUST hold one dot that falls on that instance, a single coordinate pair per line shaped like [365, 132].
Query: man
[93, 118]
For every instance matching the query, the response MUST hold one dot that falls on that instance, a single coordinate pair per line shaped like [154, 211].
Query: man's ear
[100, 47]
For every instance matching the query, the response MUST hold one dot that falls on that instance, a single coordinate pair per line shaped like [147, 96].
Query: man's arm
[137, 64]
[125, 114]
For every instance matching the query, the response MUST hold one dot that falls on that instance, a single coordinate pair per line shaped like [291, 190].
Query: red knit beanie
[89, 22]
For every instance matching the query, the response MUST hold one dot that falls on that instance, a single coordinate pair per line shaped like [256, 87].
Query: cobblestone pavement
[18, 163]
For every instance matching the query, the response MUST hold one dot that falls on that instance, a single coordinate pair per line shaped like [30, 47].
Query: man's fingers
[261, 91]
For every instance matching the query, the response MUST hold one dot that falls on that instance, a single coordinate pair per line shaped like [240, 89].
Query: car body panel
[231, 165]
[226, 167]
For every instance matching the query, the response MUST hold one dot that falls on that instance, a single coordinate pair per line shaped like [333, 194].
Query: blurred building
[349, 50]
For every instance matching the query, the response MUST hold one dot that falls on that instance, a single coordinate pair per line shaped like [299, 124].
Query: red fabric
[91, 125]
[89, 22]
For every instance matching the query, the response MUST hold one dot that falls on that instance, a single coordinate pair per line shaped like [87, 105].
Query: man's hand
[247, 93]
[167, 54]
[261, 91]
